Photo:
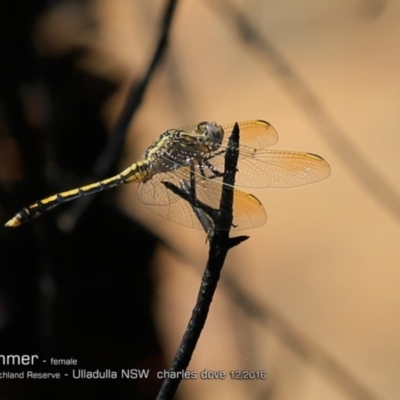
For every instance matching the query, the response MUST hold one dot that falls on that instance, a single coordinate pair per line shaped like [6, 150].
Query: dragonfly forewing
[257, 134]
[262, 168]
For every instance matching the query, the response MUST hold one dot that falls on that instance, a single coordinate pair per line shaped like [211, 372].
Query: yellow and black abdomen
[137, 172]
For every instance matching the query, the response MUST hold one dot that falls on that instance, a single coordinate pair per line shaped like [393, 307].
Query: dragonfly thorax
[183, 147]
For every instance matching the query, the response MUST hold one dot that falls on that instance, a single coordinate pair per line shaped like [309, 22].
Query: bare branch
[220, 244]
[68, 220]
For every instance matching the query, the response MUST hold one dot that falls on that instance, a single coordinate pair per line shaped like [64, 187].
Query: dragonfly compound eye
[212, 134]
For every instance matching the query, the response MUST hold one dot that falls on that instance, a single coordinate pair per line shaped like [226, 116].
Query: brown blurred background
[118, 291]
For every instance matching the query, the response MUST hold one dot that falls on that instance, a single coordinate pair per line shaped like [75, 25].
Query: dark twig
[376, 184]
[69, 219]
[200, 209]
[204, 217]
[219, 246]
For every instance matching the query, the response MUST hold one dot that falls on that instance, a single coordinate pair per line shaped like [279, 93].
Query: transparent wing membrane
[257, 134]
[275, 168]
[248, 211]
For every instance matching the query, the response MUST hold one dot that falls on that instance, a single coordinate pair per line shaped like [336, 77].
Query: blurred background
[311, 297]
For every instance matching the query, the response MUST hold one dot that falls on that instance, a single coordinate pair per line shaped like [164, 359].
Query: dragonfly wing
[248, 211]
[280, 168]
[256, 133]
[275, 168]
[165, 203]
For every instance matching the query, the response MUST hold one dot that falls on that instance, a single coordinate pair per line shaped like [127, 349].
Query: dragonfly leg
[213, 169]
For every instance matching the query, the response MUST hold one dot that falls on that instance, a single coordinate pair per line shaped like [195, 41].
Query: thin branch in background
[373, 182]
[373, 9]
[376, 184]
[220, 244]
[68, 220]
[299, 343]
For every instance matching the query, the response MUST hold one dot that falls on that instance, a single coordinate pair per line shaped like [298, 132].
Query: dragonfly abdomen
[138, 172]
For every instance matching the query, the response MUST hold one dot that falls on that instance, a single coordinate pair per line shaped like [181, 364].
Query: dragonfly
[199, 151]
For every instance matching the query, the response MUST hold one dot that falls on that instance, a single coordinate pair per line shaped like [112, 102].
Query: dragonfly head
[210, 134]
